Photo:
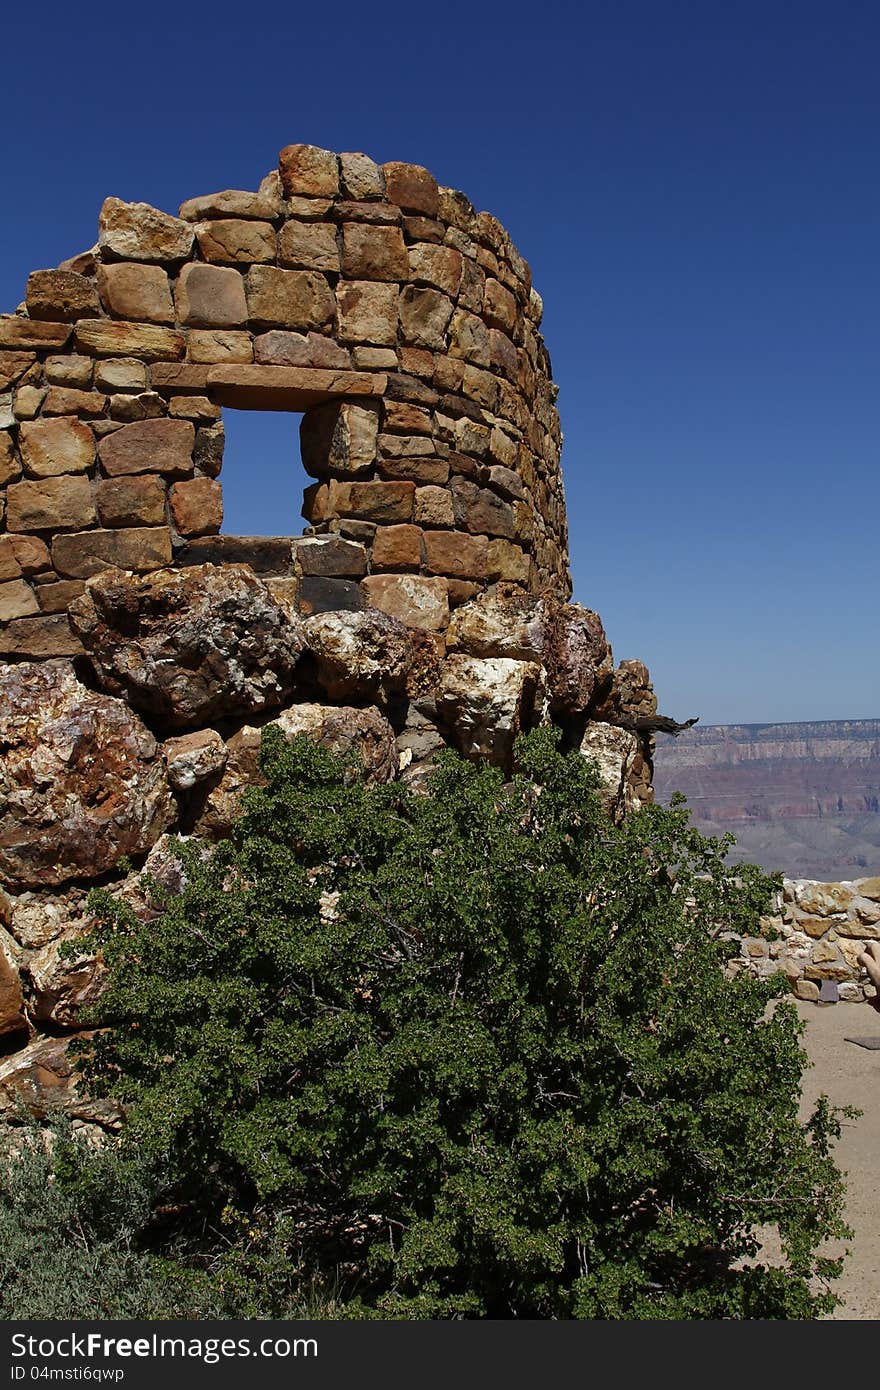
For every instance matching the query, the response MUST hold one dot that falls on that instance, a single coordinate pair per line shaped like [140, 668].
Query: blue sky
[695, 187]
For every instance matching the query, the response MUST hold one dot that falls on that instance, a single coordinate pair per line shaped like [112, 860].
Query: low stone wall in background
[821, 928]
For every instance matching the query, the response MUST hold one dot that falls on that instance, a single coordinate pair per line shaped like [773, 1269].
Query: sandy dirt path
[850, 1075]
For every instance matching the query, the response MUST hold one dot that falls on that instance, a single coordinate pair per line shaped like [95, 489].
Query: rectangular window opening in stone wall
[262, 474]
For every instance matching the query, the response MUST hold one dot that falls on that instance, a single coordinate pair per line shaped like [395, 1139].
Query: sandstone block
[105, 338]
[211, 296]
[309, 246]
[230, 650]
[27, 402]
[136, 291]
[138, 500]
[130, 410]
[406, 418]
[209, 449]
[197, 408]
[506, 561]
[13, 365]
[482, 512]
[503, 355]
[373, 253]
[149, 446]
[381, 502]
[281, 349]
[397, 548]
[179, 376]
[433, 507]
[10, 468]
[55, 295]
[18, 332]
[439, 266]
[62, 503]
[219, 345]
[499, 307]
[288, 298]
[361, 177]
[309, 170]
[469, 339]
[411, 187]
[138, 232]
[329, 556]
[39, 639]
[65, 400]
[17, 600]
[30, 554]
[339, 436]
[118, 374]
[232, 202]
[424, 317]
[367, 312]
[422, 470]
[417, 602]
[81, 554]
[612, 751]
[235, 242]
[197, 506]
[56, 598]
[456, 555]
[65, 817]
[52, 447]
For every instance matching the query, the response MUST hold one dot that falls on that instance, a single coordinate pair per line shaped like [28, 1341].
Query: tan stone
[260, 387]
[411, 187]
[415, 601]
[106, 338]
[193, 758]
[18, 332]
[373, 253]
[339, 436]
[433, 507]
[456, 555]
[308, 246]
[507, 561]
[13, 365]
[134, 291]
[284, 349]
[372, 358]
[382, 502]
[82, 554]
[309, 209]
[138, 232]
[28, 400]
[149, 446]
[499, 307]
[197, 408]
[307, 169]
[17, 600]
[12, 1019]
[129, 410]
[397, 548]
[367, 312]
[39, 639]
[424, 317]
[52, 504]
[9, 465]
[51, 447]
[55, 295]
[439, 266]
[30, 553]
[432, 471]
[237, 242]
[288, 298]
[469, 338]
[197, 506]
[823, 899]
[179, 376]
[219, 346]
[120, 374]
[503, 355]
[66, 400]
[55, 598]
[869, 888]
[806, 989]
[361, 177]
[233, 202]
[138, 500]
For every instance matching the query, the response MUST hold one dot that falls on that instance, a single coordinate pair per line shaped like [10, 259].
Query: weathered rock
[367, 311]
[187, 646]
[131, 290]
[13, 365]
[235, 241]
[373, 253]
[359, 656]
[456, 555]
[197, 506]
[282, 349]
[624, 695]
[579, 654]
[64, 400]
[397, 548]
[194, 758]
[217, 346]
[80, 554]
[503, 624]
[138, 232]
[60, 986]
[80, 781]
[417, 602]
[118, 374]
[17, 600]
[55, 295]
[340, 437]
[38, 918]
[411, 187]
[308, 170]
[149, 446]
[43, 1079]
[36, 639]
[361, 177]
[112, 338]
[52, 447]
[17, 332]
[12, 1019]
[329, 556]
[308, 246]
[613, 752]
[210, 296]
[299, 299]
[424, 317]
[232, 202]
[485, 703]
[363, 735]
[51, 504]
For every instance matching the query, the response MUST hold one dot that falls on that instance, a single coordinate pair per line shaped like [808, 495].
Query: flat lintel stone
[256, 387]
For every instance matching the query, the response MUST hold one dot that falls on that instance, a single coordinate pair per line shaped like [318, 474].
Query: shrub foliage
[470, 1054]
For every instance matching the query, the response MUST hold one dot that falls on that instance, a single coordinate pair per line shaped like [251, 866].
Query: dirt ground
[850, 1075]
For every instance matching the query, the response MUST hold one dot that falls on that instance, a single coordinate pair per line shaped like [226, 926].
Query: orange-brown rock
[149, 446]
[456, 555]
[367, 312]
[373, 253]
[397, 548]
[63, 503]
[81, 781]
[14, 365]
[65, 400]
[416, 601]
[135, 291]
[235, 241]
[80, 554]
[55, 295]
[39, 638]
[382, 502]
[308, 246]
[197, 506]
[232, 202]
[308, 170]
[110, 338]
[299, 299]
[137, 500]
[17, 600]
[411, 187]
[19, 332]
[12, 1019]
[52, 447]
[42, 1079]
